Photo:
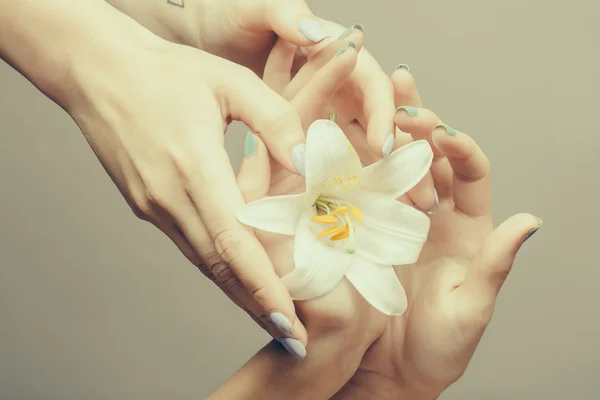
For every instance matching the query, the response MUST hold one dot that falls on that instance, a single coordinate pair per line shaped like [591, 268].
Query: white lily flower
[348, 223]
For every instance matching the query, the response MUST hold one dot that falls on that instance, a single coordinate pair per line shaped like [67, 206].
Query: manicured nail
[281, 322]
[451, 131]
[249, 145]
[402, 66]
[349, 30]
[534, 230]
[294, 347]
[388, 144]
[298, 156]
[344, 48]
[437, 203]
[313, 30]
[412, 111]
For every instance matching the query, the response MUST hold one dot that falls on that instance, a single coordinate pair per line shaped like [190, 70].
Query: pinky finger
[278, 68]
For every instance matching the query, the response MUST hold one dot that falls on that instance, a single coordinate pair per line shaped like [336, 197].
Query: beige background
[97, 305]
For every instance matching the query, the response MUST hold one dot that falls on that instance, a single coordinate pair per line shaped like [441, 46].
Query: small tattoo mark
[177, 3]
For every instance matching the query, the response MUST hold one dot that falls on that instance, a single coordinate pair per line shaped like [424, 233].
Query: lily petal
[380, 286]
[400, 171]
[318, 268]
[276, 214]
[332, 164]
[391, 233]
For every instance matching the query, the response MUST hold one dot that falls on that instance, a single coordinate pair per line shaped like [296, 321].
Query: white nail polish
[437, 203]
[388, 145]
[298, 158]
[313, 30]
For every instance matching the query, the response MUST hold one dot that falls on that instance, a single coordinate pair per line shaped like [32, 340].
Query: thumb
[493, 263]
[290, 19]
[255, 172]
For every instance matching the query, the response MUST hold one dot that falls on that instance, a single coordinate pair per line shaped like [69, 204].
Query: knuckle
[142, 210]
[228, 244]
[285, 116]
[225, 276]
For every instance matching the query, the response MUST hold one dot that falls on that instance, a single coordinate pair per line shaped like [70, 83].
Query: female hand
[155, 114]
[453, 287]
[245, 31]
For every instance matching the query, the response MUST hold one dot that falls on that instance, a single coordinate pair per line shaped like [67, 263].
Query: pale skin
[154, 112]
[452, 289]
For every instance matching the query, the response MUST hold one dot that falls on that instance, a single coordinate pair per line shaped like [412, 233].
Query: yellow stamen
[341, 235]
[339, 210]
[331, 231]
[324, 219]
[356, 213]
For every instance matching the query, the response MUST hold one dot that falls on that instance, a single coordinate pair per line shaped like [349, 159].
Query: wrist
[110, 59]
[176, 21]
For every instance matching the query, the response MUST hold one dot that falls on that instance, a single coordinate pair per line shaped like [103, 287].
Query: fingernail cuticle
[281, 322]
[344, 48]
[412, 111]
[349, 30]
[313, 30]
[451, 131]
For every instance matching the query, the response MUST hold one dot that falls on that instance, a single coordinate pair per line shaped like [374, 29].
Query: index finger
[216, 196]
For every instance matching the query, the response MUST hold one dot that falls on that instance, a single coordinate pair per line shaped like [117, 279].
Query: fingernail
[313, 30]
[281, 322]
[534, 230]
[294, 347]
[249, 145]
[298, 155]
[388, 144]
[402, 66]
[437, 203]
[349, 30]
[344, 48]
[412, 111]
[451, 131]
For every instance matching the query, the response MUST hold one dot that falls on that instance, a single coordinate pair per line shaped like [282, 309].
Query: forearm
[173, 20]
[273, 374]
[41, 39]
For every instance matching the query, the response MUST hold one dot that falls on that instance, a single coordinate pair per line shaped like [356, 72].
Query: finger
[420, 123]
[246, 98]
[471, 185]
[405, 89]
[290, 19]
[320, 58]
[375, 89]
[216, 197]
[278, 68]
[358, 138]
[313, 100]
[255, 171]
[495, 258]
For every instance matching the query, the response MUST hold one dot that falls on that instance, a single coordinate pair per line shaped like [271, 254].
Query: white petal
[276, 214]
[391, 233]
[400, 171]
[380, 286]
[332, 164]
[318, 268]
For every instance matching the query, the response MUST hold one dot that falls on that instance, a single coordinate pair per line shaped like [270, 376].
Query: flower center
[340, 214]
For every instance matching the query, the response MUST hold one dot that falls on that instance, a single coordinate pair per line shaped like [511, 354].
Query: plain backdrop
[95, 304]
